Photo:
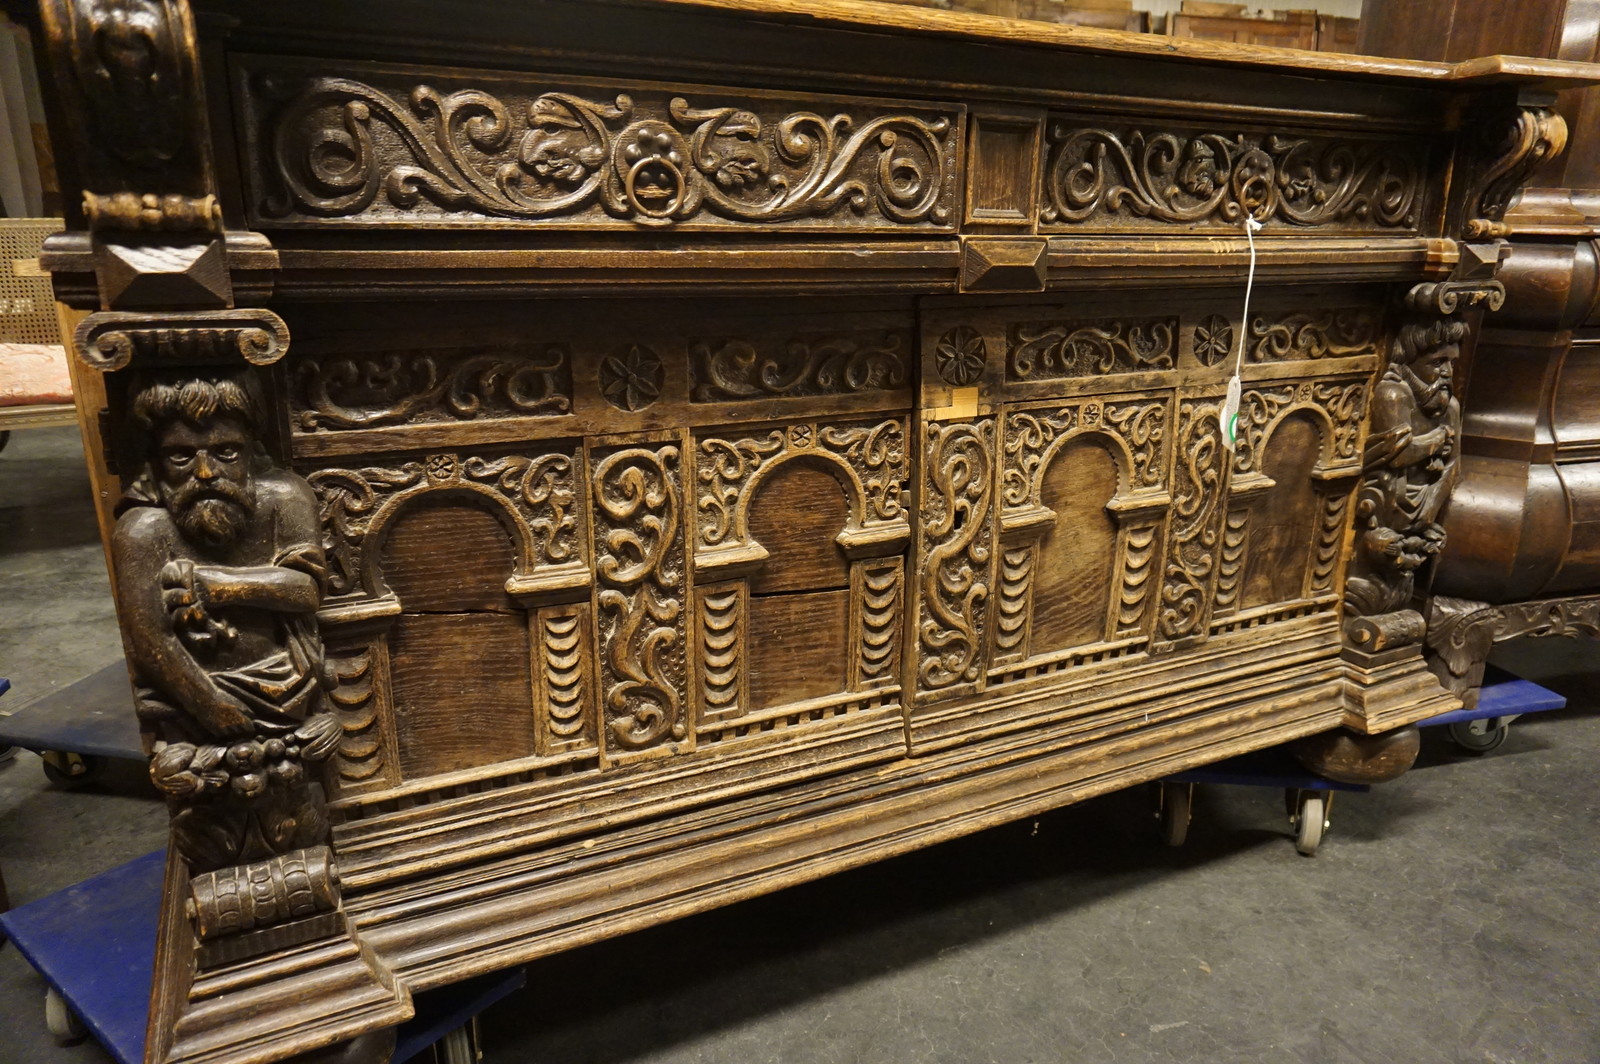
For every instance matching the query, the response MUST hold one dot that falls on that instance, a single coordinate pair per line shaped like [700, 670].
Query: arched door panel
[1283, 518]
[1076, 561]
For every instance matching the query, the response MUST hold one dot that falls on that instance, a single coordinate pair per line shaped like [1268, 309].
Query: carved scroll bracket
[111, 340]
[1516, 141]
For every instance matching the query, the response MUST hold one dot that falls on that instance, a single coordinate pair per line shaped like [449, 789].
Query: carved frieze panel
[642, 593]
[869, 458]
[536, 494]
[732, 369]
[1129, 178]
[428, 386]
[1334, 333]
[1050, 350]
[424, 146]
[955, 550]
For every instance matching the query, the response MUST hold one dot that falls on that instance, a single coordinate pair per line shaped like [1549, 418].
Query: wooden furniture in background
[638, 455]
[1523, 556]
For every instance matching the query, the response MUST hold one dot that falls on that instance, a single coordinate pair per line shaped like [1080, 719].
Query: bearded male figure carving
[1409, 469]
[220, 569]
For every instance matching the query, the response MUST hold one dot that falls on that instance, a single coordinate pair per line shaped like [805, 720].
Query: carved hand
[187, 598]
[319, 736]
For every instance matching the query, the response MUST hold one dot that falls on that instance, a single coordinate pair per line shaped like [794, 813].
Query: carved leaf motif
[631, 379]
[960, 356]
[723, 469]
[347, 500]
[1046, 351]
[546, 490]
[363, 392]
[956, 544]
[640, 565]
[1118, 177]
[1213, 340]
[1315, 334]
[343, 148]
[730, 370]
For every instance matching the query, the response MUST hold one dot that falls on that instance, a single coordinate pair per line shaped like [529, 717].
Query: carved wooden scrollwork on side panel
[419, 387]
[394, 147]
[1055, 350]
[538, 494]
[733, 369]
[1136, 178]
[1199, 478]
[642, 586]
[957, 542]
[1333, 333]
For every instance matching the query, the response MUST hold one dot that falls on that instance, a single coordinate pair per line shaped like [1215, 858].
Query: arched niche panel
[801, 591]
[459, 649]
[1283, 521]
[1075, 566]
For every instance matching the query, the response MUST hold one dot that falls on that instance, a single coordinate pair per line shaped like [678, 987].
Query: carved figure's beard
[213, 515]
[1433, 398]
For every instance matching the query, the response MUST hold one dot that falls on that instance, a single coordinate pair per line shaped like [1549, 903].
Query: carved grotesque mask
[204, 476]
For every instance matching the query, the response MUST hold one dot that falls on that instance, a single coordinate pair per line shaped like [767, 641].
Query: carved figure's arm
[159, 656]
[266, 587]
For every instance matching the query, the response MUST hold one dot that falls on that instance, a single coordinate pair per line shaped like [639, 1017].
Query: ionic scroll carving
[1053, 350]
[111, 340]
[957, 542]
[1133, 178]
[639, 563]
[732, 370]
[352, 392]
[342, 148]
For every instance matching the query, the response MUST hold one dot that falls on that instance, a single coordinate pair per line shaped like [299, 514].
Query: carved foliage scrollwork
[1315, 334]
[1199, 477]
[352, 392]
[639, 563]
[1515, 143]
[539, 491]
[1051, 350]
[733, 369]
[957, 541]
[1130, 177]
[347, 149]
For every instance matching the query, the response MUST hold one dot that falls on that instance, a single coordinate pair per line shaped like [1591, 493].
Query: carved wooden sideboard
[584, 463]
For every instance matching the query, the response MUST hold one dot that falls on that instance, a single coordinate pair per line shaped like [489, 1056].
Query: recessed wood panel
[797, 647]
[1002, 172]
[796, 515]
[448, 554]
[461, 690]
[1077, 557]
[1283, 518]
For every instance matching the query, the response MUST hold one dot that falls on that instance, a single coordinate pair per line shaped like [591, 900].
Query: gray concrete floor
[1452, 916]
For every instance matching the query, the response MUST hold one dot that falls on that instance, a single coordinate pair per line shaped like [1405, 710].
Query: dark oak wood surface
[638, 455]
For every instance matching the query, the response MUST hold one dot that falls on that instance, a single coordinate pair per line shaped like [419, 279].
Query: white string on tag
[1229, 417]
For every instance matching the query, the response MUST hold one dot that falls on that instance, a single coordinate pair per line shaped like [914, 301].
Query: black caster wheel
[1479, 736]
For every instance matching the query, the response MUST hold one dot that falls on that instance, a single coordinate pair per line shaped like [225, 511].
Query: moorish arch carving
[1134, 433]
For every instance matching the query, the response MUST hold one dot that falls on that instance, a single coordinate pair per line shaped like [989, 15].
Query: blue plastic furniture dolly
[1309, 798]
[94, 944]
[76, 728]
[1502, 699]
